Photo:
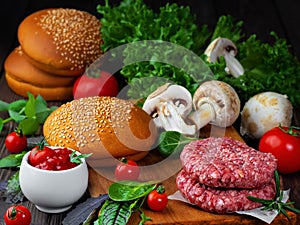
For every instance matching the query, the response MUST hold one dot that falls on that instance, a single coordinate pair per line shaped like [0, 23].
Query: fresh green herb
[172, 142]
[228, 27]
[174, 23]
[76, 158]
[12, 160]
[28, 114]
[126, 197]
[11, 190]
[276, 203]
[129, 190]
[117, 213]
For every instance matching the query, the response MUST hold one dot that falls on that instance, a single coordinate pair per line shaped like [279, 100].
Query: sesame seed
[75, 33]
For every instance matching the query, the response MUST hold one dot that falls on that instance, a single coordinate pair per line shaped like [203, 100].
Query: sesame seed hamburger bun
[108, 127]
[23, 77]
[61, 41]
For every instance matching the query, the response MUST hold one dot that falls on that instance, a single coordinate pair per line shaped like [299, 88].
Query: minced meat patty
[227, 163]
[221, 200]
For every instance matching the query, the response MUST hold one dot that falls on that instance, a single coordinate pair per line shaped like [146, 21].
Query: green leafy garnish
[28, 114]
[129, 190]
[276, 203]
[173, 23]
[12, 160]
[268, 67]
[76, 158]
[173, 142]
[126, 197]
[12, 192]
[116, 213]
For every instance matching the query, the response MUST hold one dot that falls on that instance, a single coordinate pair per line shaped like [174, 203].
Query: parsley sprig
[276, 203]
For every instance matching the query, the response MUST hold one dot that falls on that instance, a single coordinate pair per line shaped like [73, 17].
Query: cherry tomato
[39, 154]
[157, 199]
[284, 144]
[17, 215]
[127, 170]
[104, 85]
[16, 141]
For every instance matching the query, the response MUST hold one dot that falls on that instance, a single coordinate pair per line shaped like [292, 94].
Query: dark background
[259, 16]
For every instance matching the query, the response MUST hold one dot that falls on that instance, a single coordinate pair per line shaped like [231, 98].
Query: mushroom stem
[203, 116]
[233, 66]
[171, 120]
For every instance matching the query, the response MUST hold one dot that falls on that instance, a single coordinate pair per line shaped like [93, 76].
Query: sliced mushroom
[215, 102]
[225, 47]
[170, 105]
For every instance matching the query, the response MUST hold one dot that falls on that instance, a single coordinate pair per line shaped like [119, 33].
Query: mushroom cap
[177, 94]
[219, 47]
[223, 99]
[263, 112]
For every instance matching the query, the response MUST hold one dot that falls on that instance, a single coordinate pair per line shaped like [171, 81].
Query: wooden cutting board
[179, 212]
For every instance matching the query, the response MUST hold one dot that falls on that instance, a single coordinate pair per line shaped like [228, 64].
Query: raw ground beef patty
[227, 163]
[221, 200]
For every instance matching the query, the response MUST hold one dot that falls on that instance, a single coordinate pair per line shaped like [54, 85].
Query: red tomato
[284, 144]
[157, 199]
[39, 154]
[17, 215]
[16, 142]
[46, 158]
[104, 85]
[127, 170]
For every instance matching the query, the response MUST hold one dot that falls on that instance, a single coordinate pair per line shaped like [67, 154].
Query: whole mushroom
[264, 111]
[225, 47]
[215, 102]
[169, 106]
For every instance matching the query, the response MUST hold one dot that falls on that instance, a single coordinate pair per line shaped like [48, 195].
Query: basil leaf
[12, 160]
[30, 106]
[29, 126]
[172, 141]
[129, 190]
[40, 100]
[116, 213]
[3, 106]
[1, 124]
[16, 116]
[17, 105]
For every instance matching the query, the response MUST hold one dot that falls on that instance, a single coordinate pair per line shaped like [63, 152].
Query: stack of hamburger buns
[56, 46]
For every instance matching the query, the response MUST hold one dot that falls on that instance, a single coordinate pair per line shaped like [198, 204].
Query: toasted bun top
[21, 70]
[104, 126]
[61, 38]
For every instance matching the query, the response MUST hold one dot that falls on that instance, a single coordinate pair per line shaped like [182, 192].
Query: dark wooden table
[259, 17]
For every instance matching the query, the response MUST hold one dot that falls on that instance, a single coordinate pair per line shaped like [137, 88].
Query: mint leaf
[30, 106]
[16, 116]
[29, 126]
[12, 160]
[42, 112]
[1, 124]
[40, 100]
[17, 106]
[3, 106]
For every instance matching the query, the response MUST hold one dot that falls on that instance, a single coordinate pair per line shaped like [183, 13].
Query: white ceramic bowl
[53, 191]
